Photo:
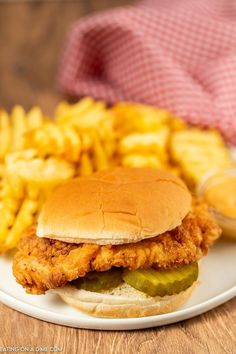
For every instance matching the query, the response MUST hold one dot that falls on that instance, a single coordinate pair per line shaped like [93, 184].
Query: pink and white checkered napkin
[179, 55]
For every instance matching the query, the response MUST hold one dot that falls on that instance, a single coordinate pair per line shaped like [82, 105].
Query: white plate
[217, 284]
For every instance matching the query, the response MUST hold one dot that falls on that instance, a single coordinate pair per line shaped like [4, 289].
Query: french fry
[66, 113]
[73, 143]
[86, 114]
[86, 141]
[107, 135]
[5, 134]
[15, 183]
[28, 181]
[19, 127]
[2, 170]
[40, 141]
[99, 154]
[33, 191]
[7, 216]
[52, 140]
[57, 138]
[35, 118]
[24, 219]
[60, 111]
[85, 167]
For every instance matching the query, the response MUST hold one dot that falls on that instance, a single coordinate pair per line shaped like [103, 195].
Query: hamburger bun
[123, 301]
[117, 206]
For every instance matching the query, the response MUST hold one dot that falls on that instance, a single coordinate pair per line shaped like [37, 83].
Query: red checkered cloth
[179, 55]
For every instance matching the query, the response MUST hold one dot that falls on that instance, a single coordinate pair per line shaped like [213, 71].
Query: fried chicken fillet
[42, 263]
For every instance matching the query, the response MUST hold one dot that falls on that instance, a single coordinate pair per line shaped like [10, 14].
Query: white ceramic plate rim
[121, 323]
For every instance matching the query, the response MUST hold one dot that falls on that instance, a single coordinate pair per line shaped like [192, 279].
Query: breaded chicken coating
[41, 264]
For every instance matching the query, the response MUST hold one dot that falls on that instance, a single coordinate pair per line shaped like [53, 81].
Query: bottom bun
[122, 301]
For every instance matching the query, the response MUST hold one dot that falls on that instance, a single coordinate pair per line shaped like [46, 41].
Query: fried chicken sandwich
[120, 243]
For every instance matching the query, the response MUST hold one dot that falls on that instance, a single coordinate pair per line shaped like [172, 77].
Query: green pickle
[162, 282]
[96, 281]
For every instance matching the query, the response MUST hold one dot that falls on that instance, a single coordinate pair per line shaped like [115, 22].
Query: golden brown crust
[41, 264]
[119, 206]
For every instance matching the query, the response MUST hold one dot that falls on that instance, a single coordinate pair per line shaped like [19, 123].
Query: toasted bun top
[117, 206]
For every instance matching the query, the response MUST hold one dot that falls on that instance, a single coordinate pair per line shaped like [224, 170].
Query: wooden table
[31, 35]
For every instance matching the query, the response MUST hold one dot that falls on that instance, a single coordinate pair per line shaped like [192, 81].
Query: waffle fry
[43, 172]
[139, 160]
[130, 117]
[146, 143]
[177, 124]
[196, 152]
[142, 135]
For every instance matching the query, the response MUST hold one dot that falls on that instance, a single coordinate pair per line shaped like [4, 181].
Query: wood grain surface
[213, 332]
[31, 36]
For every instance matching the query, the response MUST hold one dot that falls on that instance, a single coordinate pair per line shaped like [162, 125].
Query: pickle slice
[95, 281]
[162, 282]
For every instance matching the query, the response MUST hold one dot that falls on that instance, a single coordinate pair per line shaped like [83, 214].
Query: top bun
[117, 206]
